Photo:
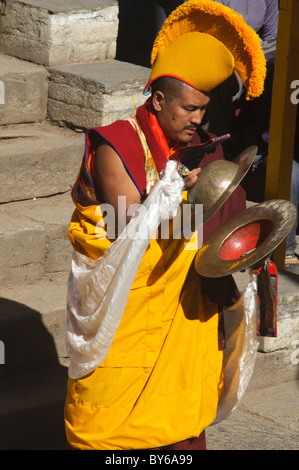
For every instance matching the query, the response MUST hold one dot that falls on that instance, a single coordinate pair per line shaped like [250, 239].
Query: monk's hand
[191, 178]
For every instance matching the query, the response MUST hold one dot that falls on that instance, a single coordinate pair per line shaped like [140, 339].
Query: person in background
[139, 23]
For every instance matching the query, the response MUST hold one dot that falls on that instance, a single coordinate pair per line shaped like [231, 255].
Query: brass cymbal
[246, 238]
[217, 180]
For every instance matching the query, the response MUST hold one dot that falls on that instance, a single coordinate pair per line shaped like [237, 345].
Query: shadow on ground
[32, 382]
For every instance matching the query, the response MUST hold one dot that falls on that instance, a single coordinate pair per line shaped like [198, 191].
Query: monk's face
[180, 116]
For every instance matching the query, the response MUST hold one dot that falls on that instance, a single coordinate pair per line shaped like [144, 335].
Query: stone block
[33, 322]
[38, 160]
[22, 248]
[287, 326]
[54, 214]
[34, 238]
[24, 91]
[67, 31]
[95, 94]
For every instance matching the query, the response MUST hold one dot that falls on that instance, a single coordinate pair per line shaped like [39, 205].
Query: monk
[159, 382]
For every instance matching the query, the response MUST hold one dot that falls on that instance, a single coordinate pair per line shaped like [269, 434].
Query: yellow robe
[162, 377]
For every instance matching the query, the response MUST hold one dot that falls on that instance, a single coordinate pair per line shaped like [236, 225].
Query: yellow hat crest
[202, 42]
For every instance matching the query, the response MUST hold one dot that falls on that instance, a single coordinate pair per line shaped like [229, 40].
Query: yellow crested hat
[202, 42]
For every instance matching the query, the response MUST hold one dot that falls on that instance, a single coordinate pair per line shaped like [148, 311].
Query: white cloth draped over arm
[98, 289]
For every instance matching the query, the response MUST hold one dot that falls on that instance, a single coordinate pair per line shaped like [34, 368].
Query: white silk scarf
[98, 289]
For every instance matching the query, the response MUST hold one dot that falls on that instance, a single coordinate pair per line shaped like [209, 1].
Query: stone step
[24, 91]
[38, 160]
[60, 31]
[33, 238]
[95, 94]
[33, 371]
[33, 368]
[33, 322]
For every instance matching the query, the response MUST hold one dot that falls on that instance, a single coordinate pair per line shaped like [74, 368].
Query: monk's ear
[158, 100]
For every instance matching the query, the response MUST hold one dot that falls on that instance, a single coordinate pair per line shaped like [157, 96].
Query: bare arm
[114, 179]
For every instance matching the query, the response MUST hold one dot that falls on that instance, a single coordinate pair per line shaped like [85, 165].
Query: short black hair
[170, 87]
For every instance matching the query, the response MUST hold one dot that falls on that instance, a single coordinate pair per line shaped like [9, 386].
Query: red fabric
[195, 443]
[158, 133]
[267, 300]
[123, 138]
